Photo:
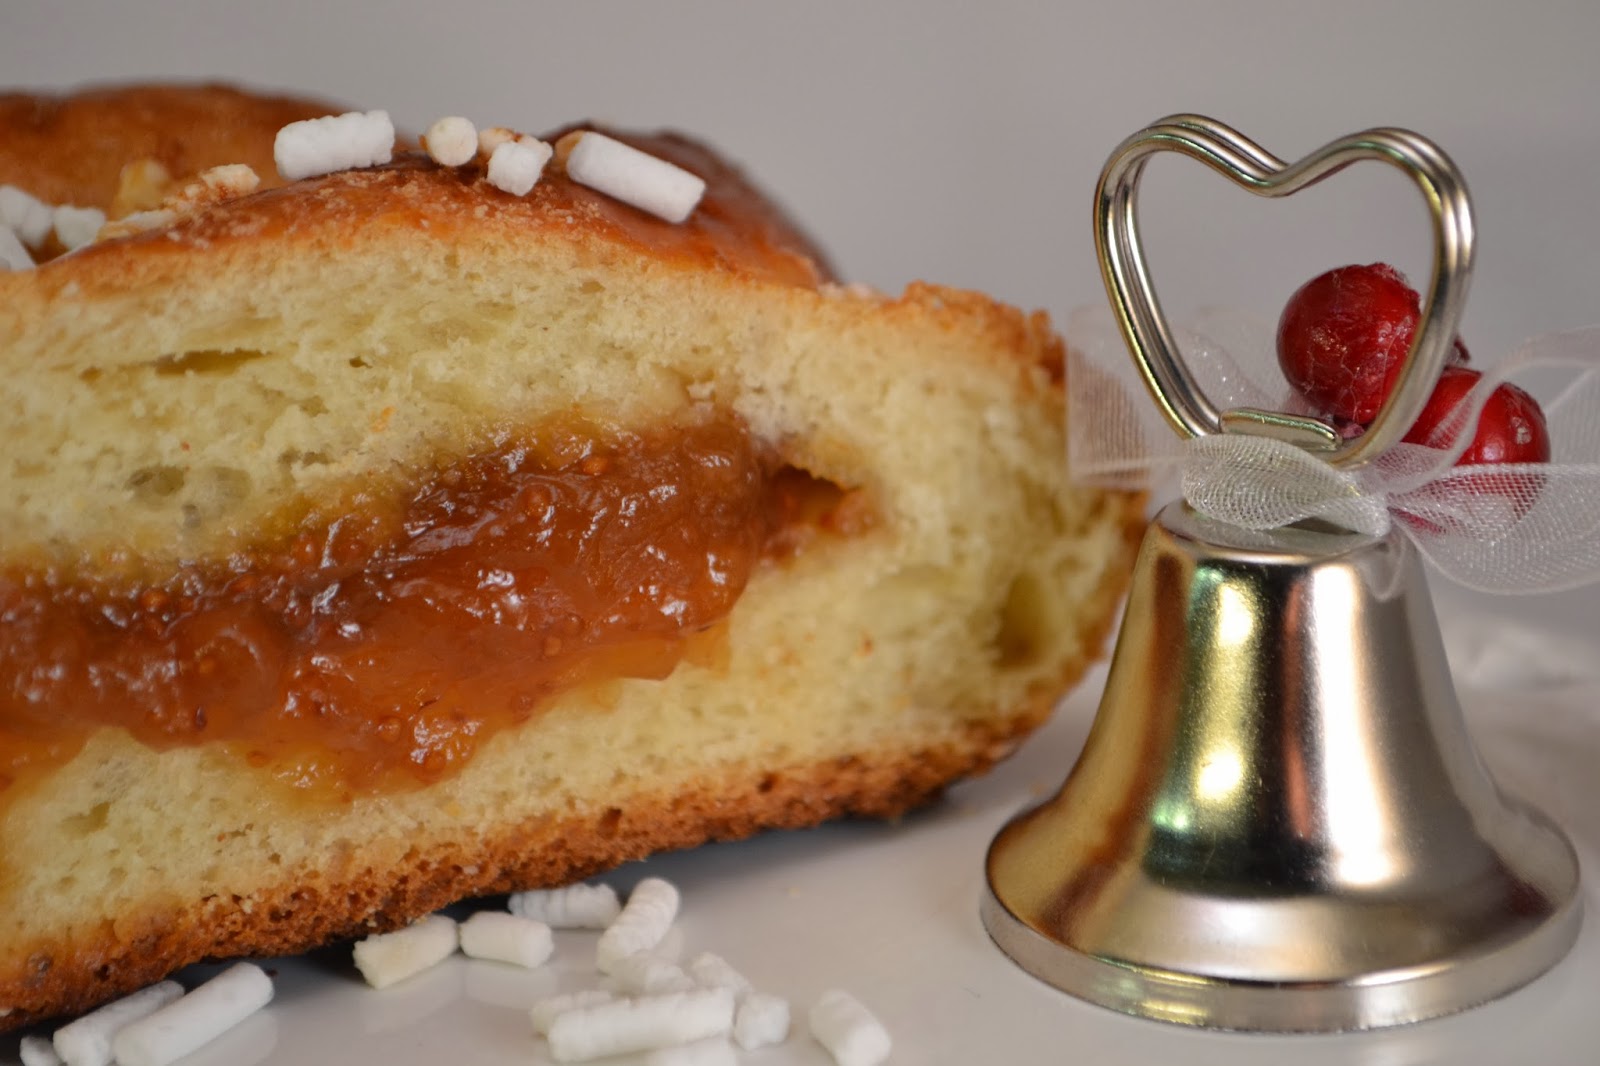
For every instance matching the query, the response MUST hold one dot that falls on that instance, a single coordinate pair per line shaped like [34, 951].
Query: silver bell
[1278, 821]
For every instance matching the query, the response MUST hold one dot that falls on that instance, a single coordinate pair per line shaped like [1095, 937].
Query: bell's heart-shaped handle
[1185, 405]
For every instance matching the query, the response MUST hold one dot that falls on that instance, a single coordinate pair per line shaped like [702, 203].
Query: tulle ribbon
[1531, 527]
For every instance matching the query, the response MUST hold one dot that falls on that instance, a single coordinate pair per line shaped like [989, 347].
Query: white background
[960, 142]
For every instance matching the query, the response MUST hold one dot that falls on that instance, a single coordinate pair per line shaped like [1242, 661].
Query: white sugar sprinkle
[503, 937]
[645, 974]
[77, 226]
[713, 971]
[452, 141]
[630, 1025]
[516, 165]
[390, 957]
[335, 142]
[577, 906]
[848, 1030]
[87, 1041]
[29, 217]
[761, 1020]
[195, 1020]
[634, 177]
[13, 256]
[545, 1012]
[38, 1051]
[644, 921]
[714, 1051]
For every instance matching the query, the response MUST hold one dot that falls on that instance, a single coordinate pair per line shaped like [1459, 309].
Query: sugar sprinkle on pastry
[451, 141]
[634, 177]
[13, 256]
[316, 146]
[515, 166]
[77, 226]
[25, 215]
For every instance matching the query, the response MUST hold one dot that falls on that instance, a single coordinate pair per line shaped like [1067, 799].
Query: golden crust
[70, 149]
[306, 910]
[735, 229]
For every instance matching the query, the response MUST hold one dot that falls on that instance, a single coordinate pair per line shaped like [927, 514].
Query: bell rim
[1371, 1000]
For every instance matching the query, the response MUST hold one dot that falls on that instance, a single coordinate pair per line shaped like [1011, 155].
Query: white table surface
[960, 142]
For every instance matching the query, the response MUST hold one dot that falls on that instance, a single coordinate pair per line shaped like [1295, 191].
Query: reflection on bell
[1278, 821]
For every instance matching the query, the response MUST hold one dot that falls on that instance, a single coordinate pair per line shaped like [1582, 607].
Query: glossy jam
[379, 651]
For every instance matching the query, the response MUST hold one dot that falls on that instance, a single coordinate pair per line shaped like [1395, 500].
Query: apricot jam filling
[379, 649]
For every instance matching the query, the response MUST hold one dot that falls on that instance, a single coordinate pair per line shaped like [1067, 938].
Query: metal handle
[1185, 405]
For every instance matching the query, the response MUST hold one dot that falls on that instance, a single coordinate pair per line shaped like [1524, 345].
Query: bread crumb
[224, 183]
[138, 222]
[855, 290]
[141, 186]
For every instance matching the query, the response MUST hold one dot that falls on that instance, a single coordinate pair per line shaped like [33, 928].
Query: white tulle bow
[1504, 528]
